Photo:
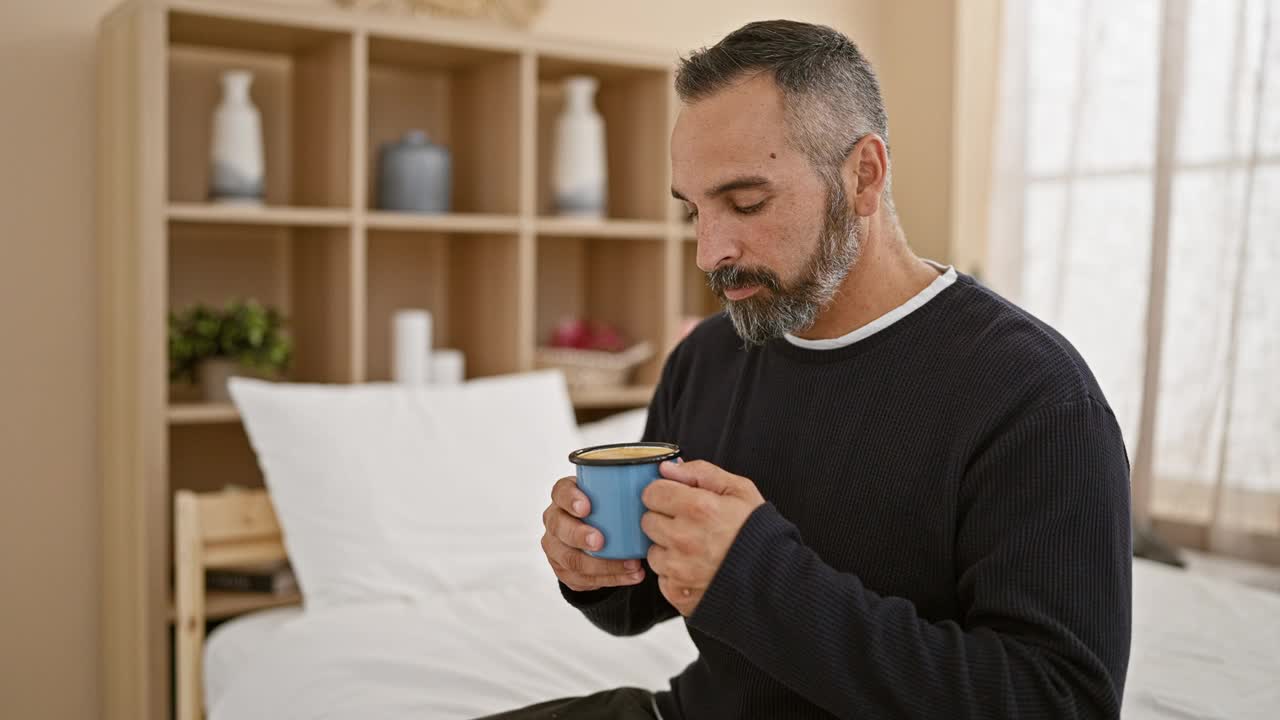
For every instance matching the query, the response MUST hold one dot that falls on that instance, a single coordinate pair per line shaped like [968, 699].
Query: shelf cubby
[209, 457]
[634, 101]
[466, 281]
[618, 281]
[466, 99]
[302, 88]
[303, 271]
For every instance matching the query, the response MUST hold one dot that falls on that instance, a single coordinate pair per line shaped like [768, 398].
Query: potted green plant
[209, 345]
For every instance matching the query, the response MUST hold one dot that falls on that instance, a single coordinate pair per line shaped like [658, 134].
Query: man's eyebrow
[738, 183]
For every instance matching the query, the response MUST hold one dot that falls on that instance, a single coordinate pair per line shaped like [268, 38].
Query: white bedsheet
[457, 656]
[1202, 648]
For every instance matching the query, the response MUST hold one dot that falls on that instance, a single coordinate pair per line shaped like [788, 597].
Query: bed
[428, 635]
[1203, 648]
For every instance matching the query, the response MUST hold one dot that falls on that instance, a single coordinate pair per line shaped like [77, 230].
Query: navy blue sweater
[946, 532]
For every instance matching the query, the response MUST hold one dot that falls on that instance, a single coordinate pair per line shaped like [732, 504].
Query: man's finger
[667, 496]
[699, 474]
[574, 532]
[660, 528]
[573, 577]
[572, 580]
[581, 562]
[566, 495]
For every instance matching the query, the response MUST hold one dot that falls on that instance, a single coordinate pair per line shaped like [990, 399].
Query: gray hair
[831, 95]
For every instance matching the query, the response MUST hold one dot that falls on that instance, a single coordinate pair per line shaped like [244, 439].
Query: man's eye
[750, 209]
[690, 214]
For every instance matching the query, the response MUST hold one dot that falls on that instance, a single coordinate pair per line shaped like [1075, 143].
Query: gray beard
[794, 308]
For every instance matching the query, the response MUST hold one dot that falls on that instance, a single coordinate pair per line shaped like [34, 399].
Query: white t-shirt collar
[945, 278]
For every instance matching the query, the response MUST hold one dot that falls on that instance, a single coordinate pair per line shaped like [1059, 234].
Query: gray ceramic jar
[414, 175]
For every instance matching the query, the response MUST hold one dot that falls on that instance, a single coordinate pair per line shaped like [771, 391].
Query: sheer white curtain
[1136, 207]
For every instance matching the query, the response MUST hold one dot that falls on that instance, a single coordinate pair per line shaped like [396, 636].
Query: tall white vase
[236, 163]
[580, 168]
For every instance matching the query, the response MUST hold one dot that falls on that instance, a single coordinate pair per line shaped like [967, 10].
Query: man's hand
[566, 537]
[694, 516]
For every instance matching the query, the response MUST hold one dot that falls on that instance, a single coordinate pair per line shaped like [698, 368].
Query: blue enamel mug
[613, 478]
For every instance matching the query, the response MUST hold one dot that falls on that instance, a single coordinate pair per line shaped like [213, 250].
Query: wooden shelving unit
[474, 223]
[497, 272]
[267, 215]
[573, 227]
[633, 396]
[199, 413]
[696, 300]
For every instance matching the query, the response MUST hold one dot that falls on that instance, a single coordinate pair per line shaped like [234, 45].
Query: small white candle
[411, 347]
[448, 367]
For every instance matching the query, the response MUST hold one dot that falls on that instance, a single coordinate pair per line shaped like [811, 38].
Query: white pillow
[626, 426]
[386, 491]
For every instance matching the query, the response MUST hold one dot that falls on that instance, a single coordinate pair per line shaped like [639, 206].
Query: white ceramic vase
[236, 161]
[580, 167]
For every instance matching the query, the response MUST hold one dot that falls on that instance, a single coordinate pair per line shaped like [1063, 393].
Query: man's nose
[716, 246]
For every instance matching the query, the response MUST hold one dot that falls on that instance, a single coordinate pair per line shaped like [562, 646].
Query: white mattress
[1202, 648]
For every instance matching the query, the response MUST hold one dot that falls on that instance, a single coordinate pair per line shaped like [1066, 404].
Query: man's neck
[886, 275]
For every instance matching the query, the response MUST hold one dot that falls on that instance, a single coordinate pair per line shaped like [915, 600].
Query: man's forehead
[734, 130]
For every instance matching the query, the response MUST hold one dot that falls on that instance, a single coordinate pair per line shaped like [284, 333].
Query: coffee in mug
[626, 452]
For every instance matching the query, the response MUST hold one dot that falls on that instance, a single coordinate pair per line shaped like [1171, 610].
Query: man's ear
[865, 174]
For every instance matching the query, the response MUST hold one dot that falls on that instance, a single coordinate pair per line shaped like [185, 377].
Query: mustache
[732, 276]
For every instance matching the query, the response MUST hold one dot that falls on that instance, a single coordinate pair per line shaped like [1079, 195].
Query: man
[902, 496]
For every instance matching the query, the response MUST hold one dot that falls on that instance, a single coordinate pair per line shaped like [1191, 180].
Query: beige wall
[916, 80]
[49, 496]
[937, 64]
[977, 57]
[684, 25]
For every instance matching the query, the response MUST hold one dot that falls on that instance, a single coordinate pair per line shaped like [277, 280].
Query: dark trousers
[620, 704]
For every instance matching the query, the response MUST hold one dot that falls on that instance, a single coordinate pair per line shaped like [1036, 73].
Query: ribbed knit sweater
[946, 532]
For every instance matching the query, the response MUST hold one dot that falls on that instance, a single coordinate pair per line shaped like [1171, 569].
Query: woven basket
[594, 368]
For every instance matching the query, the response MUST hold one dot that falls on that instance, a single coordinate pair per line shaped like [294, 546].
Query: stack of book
[274, 578]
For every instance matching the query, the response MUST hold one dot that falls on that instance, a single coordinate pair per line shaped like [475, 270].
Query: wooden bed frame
[212, 530]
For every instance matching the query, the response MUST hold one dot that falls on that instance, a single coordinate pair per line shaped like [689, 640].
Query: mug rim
[576, 458]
